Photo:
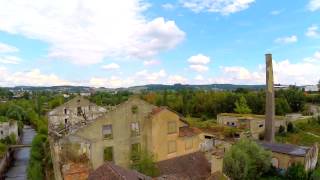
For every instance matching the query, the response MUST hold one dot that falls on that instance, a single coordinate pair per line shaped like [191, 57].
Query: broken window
[79, 111]
[108, 153]
[135, 129]
[135, 151]
[261, 125]
[172, 147]
[172, 127]
[65, 121]
[65, 111]
[107, 131]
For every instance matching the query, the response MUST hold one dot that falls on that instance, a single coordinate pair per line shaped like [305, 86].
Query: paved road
[18, 170]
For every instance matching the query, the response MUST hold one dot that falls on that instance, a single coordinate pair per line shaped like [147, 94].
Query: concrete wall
[285, 160]
[7, 128]
[160, 137]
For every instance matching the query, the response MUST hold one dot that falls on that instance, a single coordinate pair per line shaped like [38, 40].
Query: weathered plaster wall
[122, 140]
[160, 137]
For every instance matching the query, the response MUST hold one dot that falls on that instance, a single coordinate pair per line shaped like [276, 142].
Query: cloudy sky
[133, 42]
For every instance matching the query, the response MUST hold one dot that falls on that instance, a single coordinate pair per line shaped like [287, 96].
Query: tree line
[198, 103]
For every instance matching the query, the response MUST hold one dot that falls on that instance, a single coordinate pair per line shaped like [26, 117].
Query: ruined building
[132, 126]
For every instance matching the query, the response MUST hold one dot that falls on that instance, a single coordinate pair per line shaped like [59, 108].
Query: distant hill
[217, 87]
[136, 89]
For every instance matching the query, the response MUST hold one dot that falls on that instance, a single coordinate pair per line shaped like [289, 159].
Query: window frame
[135, 131]
[168, 126]
[104, 135]
[104, 154]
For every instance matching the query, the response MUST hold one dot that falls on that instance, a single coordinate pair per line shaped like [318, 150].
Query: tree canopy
[246, 160]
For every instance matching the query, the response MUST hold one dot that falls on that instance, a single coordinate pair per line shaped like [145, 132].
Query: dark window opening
[65, 121]
[79, 111]
[65, 111]
[108, 153]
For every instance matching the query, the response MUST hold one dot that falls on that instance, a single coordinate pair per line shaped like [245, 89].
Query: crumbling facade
[7, 128]
[134, 125]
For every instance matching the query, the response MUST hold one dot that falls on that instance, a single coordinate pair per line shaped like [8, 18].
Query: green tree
[296, 172]
[282, 106]
[144, 162]
[37, 160]
[246, 160]
[16, 112]
[241, 106]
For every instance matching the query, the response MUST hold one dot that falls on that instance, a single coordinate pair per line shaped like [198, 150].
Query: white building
[311, 88]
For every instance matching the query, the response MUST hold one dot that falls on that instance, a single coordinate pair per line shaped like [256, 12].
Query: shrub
[145, 164]
[246, 160]
[315, 175]
[296, 172]
[282, 130]
[3, 149]
[290, 127]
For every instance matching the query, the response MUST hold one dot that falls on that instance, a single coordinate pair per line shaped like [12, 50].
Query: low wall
[5, 163]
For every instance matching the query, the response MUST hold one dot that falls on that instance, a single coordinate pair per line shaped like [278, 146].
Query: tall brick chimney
[270, 109]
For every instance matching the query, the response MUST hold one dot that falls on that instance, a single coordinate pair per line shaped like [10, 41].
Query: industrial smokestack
[270, 109]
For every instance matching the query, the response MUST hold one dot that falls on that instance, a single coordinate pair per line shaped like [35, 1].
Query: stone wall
[7, 128]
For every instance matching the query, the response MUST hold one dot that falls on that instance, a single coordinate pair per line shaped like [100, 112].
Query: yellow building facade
[134, 125]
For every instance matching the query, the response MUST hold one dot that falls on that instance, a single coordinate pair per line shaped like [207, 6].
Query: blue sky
[135, 42]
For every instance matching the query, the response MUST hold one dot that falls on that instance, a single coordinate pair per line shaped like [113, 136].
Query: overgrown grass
[3, 149]
[306, 134]
[199, 123]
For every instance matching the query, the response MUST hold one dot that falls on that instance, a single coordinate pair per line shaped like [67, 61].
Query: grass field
[307, 133]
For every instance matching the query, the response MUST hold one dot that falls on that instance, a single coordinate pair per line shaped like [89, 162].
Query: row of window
[108, 134]
[108, 152]
[135, 129]
[135, 148]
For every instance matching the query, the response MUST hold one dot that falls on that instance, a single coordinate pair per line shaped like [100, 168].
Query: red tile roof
[191, 166]
[110, 171]
[187, 131]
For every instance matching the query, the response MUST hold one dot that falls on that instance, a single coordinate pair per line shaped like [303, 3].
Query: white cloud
[313, 59]
[199, 67]
[86, 32]
[112, 82]
[285, 72]
[286, 40]
[174, 79]
[10, 59]
[147, 77]
[199, 78]
[313, 31]
[223, 7]
[199, 59]
[111, 66]
[168, 6]
[314, 5]
[32, 77]
[6, 48]
[151, 62]
[276, 12]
